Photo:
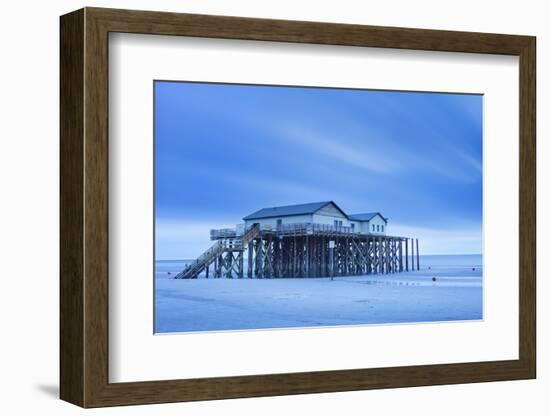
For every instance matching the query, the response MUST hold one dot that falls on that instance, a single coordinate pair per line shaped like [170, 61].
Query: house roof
[304, 209]
[287, 210]
[367, 216]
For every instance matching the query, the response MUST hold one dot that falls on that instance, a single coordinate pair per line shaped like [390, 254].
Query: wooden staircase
[251, 234]
[192, 271]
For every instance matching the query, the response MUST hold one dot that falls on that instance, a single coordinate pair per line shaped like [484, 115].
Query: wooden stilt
[260, 259]
[400, 254]
[307, 254]
[417, 256]
[406, 254]
[412, 254]
[250, 259]
[331, 258]
[240, 262]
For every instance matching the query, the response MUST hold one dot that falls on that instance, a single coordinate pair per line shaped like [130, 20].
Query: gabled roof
[287, 210]
[366, 216]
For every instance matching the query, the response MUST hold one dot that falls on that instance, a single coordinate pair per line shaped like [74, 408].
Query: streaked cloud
[441, 240]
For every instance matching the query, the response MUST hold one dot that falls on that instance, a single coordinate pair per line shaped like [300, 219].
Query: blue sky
[223, 151]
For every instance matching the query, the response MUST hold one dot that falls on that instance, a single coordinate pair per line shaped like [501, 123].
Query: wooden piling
[406, 254]
[250, 259]
[400, 254]
[308, 252]
[240, 262]
[260, 259]
[417, 256]
[412, 254]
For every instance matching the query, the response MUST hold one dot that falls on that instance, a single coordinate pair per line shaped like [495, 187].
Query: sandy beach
[238, 304]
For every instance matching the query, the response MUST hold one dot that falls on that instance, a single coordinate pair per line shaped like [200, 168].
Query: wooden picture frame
[84, 207]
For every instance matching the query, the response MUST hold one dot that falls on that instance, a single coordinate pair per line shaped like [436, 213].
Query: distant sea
[167, 269]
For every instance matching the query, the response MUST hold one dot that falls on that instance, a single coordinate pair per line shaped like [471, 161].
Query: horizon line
[454, 254]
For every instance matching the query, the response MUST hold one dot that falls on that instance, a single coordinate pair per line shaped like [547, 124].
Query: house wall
[328, 214]
[291, 219]
[376, 221]
[358, 226]
[330, 210]
[326, 219]
[364, 227]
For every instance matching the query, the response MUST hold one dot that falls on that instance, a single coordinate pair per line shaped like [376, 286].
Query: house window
[338, 223]
[377, 228]
[279, 223]
[382, 228]
[352, 227]
[373, 229]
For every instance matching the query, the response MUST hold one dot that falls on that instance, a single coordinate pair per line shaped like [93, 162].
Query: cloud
[181, 240]
[467, 240]
[362, 146]
[357, 155]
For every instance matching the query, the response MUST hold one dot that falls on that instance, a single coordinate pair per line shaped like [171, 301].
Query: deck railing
[294, 228]
[313, 228]
[223, 233]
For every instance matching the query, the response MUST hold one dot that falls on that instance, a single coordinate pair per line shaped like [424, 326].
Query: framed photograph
[255, 207]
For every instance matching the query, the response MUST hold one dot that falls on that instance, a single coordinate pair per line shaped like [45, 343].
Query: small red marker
[433, 279]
